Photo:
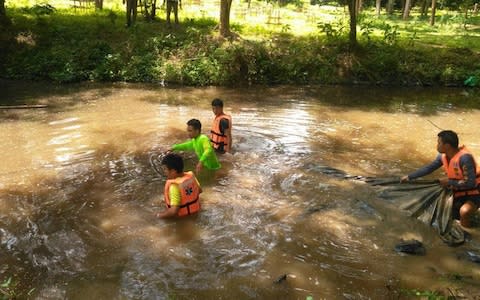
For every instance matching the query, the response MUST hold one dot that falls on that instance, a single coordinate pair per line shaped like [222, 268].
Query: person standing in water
[199, 143]
[182, 190]
[221, 132]
[463, 175]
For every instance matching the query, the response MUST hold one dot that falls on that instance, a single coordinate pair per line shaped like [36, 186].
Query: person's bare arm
[169, 212]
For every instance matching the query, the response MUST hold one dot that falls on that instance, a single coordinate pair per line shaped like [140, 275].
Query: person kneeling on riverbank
[181, 190]
[463, 175]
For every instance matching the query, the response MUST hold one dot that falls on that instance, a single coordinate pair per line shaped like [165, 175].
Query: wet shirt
[468, 168]
[174, 194]
[204, 150]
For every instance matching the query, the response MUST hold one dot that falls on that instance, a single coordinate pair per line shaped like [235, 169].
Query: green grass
[309, 45]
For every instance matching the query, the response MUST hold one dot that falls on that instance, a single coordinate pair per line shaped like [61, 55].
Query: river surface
[78, 193]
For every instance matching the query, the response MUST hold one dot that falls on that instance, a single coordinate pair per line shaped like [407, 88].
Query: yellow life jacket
[216, 136]
[189, 194]
[454, 171]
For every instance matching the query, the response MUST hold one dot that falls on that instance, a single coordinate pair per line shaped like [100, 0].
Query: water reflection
[78, 194]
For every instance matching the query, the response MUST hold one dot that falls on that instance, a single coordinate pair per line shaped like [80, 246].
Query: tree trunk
[3, 13]
[153, 13]
[225, 6]
[131, 12]
[352, 9]
[390, 4]
[424, 8]
[406, 9]
[378, 7]
[434, 7]
[99, 4]
[359, 6]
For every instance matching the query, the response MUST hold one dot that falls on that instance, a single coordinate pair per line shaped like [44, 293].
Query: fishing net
[425, 200]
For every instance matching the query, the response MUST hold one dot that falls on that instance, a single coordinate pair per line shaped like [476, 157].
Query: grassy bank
[68, 45]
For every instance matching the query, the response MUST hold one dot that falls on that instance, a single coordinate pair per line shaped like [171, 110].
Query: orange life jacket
[454, 171]
[216, 136]
[189, 194]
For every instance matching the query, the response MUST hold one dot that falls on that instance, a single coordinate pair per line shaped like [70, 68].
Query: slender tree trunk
[390, 4]
[378, 7]
[154, 9]
[352, 9]
[359, 6]
[3, 13]
[99, 4]
[424, 8]
[434, 8]
[131, 11]
[406, 9]
[225, 6]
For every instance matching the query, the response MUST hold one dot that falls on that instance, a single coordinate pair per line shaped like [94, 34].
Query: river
[78, 194]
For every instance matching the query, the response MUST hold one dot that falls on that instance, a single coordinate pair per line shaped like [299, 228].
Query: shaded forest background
[246, 42]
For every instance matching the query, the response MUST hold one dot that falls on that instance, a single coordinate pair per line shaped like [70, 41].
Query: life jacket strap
[467, 193]
[187, 205]
[216, 133]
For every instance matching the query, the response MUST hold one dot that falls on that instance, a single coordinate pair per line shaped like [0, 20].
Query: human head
[217, 106]
[447, 137]
[172, 165]
[194, 127]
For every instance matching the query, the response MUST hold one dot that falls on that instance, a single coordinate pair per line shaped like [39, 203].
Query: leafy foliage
[60, 45]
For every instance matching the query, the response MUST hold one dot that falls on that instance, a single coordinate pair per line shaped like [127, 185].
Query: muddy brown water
[78, 193]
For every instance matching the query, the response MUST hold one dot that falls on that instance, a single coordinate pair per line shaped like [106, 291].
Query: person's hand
[443, 182]
[199, 167]
[404, 179]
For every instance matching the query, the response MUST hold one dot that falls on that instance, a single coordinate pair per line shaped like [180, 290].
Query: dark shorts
[219, 151]
[458, 202]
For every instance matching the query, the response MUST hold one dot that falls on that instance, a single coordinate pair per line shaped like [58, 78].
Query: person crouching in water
[200, 144]
[463, 175]
[182, 189]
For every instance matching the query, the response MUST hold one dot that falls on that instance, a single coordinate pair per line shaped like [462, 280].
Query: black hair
[195, 124]
[217, 102]
[449, 137]
[173, 162]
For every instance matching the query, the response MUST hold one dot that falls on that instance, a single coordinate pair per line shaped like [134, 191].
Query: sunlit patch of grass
[272, 44]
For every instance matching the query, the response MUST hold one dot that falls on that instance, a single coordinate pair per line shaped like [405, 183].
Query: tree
[99, 4]
[3, 13]
[378, 6]
[424, 8]
[434, 8]
[131, 11]
[390, 4]
[225, 6]
[406, 9]
[352, 9]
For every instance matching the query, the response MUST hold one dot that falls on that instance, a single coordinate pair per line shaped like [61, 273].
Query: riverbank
[63, 47]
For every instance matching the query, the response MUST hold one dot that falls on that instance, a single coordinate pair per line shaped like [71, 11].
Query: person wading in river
[463, 175]
[199, 143]
[221, 132]
[182, 190]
